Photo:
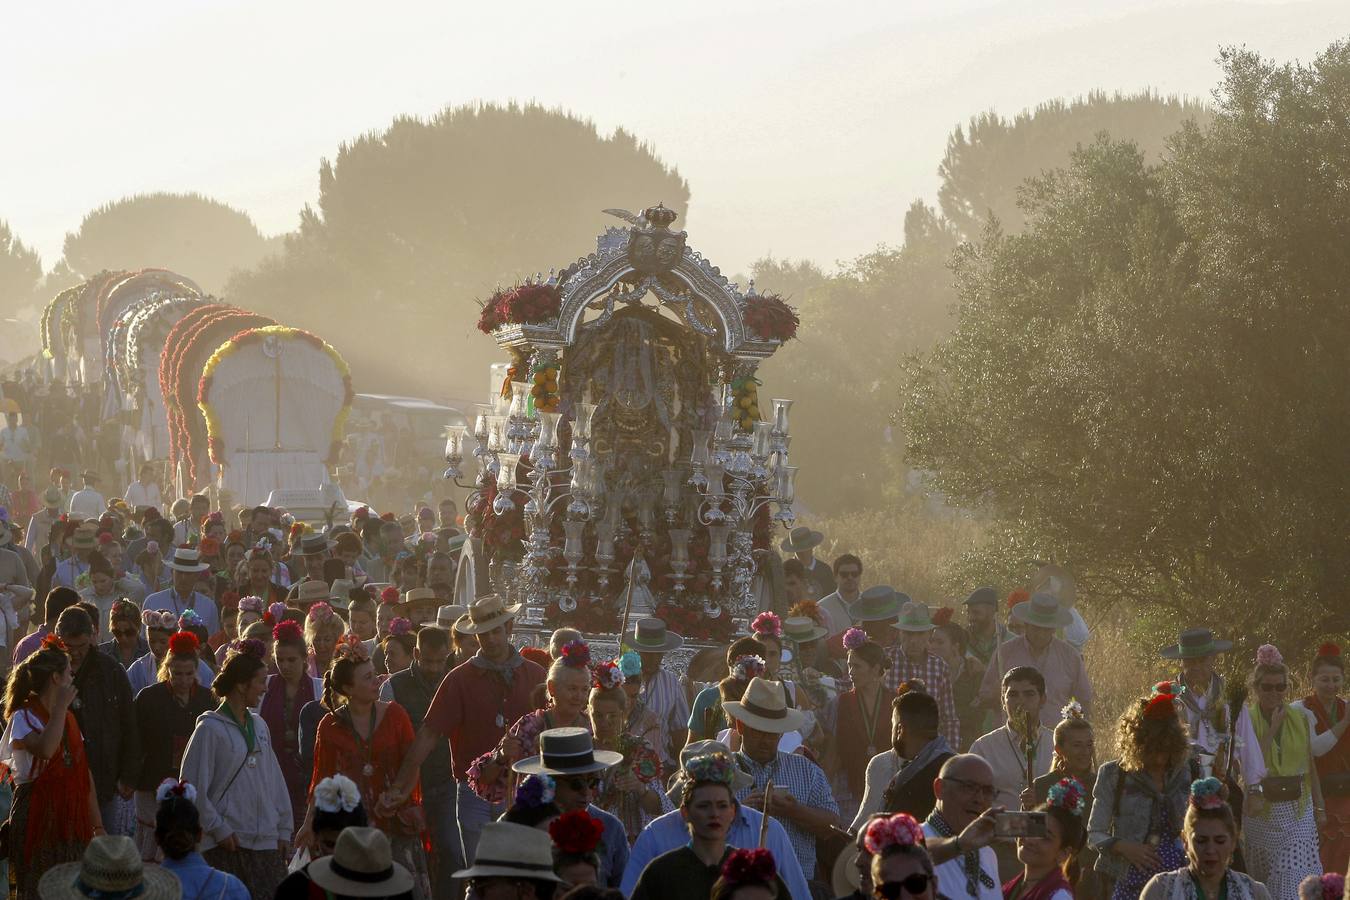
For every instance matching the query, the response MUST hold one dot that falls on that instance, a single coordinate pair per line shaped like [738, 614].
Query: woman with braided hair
[1211, 835]
[166, 713]
[55, 811]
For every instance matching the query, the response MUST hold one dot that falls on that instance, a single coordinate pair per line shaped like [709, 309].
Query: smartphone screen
[1019, 824]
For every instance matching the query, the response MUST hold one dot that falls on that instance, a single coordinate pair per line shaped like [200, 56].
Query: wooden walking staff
[1029, 744]
[764, 820]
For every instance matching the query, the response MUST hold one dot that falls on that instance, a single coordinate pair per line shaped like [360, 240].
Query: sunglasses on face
[1274, 688]
[914, 885]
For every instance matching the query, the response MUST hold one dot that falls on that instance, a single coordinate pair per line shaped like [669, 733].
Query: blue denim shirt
[1135, 815]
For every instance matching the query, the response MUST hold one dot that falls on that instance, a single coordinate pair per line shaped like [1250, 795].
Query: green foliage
[1147, 384]
[987, 161]
[20, 272]
[414, 225]
[187, 233]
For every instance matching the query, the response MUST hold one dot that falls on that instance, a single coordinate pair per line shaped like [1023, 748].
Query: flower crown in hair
[534, 791]
[1269, 655]
[576, 832]
[389, 595]
[320, 613]
[248, 647]
[349, 646]
[251, 604]
[1072, 710]
[275, 613]
[714, 767]
[1328, 649]
[159, 619]
[809, 609]
[607, 676]
[184, 643]
[899, 830]
[854, 638]
[288, 630]
[751, 866]
[52, 642]
[336, 793]
[1067, 794]
[576, 654]
[743, 668]
[190, 619]
[630, 664]
[171, 788]
[767, 624]
[399, 625]
[1207, 793]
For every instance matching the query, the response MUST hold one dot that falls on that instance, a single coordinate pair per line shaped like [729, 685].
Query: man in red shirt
[472, 709]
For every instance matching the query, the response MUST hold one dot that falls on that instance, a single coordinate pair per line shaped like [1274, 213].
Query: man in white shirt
[960, 829]
[848, 578]
[88, 503]
[187, 568]
[1006, 748]
[144, 491]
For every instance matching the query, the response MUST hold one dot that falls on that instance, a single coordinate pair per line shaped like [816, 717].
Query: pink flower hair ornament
[159, 619]
[399, 625]
[1269, 655]
[576, 654]
[320, 613]
[767, 624]
[746, 667]
[854, 638]
[251, 604]
[900, 830]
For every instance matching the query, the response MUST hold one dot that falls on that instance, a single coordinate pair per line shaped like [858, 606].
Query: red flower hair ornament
[751, 866]
[899, 830]
[184, 643]
[289, 631]
[52, 642]
[349, 646]
[576, 832]
[576, 654]
[389, 595]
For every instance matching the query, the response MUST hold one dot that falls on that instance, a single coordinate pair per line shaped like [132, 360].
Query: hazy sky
[804, 128]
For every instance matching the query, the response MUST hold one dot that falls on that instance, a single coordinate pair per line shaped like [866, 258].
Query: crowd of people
[208, 702]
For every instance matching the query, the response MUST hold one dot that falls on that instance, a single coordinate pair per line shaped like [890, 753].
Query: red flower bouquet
[770, 317]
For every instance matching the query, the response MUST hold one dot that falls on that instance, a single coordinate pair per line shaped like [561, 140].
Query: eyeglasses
[914, 885]
[986, 791]
[581, 783]
[1269, 688]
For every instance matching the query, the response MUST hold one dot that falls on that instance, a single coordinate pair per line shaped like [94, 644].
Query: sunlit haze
[803, 128]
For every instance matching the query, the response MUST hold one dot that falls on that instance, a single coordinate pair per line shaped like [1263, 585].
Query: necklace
[364, 746]
[870, 721]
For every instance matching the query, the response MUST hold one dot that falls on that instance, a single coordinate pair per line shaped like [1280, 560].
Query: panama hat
[802, 630]
[186, 559]
[111, 867]
[340, 594]
[844, 876]
[764, 707]
[313, 545]
[508, 850]
[419, 596]
[84, 536]
[567, 751]
[362, 865]
[485, 614]
[1043, 611]
[914, 616]
[307, 593]
[1195, 642]
[448, 615]
[651, 636]
[801, 539]
[876, 604]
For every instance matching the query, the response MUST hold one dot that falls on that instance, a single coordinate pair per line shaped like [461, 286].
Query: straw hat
[362, 865]
[340, 594]
[1043, 611]
[448, 615]
[313, 545]
[419, 596]
[764, 707]
[508, 850]
[844, 875]
[310, 592]
[111, 867]
[651, 636]
[485, 614]
[84, 536]
[801, 539]
[802, 630]
[186, 559]
[567, 751]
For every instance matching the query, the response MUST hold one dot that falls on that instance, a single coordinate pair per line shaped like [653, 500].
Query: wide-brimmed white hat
[567, 751]
[111, 867]
[764, 707]
[362, 865]
[508, 850]
[485, 614]
[186, 559]
[448, 615]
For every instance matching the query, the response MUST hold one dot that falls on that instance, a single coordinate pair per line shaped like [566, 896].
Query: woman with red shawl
[55, 812]
[1331, 753]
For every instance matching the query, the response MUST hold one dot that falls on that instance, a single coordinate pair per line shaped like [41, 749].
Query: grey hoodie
[250, 802]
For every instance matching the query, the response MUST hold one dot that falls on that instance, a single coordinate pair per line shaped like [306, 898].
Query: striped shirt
[932, 671]
[664, 696]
